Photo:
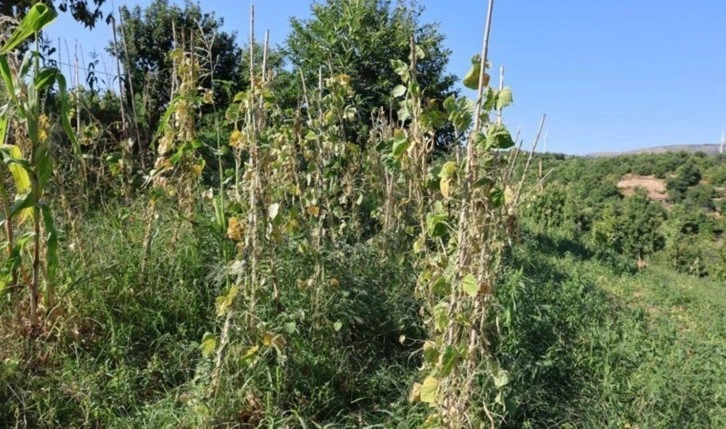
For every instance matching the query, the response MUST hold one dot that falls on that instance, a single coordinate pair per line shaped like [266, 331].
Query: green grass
[592, 344]
[587, 340]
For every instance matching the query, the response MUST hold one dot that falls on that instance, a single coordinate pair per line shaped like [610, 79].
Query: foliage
[286, 263]
[85, 11]
[30, 164]
[632, 228]
[151, 33]
[686, 176]
[359, 39]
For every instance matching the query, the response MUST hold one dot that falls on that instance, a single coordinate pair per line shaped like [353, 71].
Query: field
[252, 241]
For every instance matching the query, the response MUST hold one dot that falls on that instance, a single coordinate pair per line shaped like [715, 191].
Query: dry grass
[655, 187]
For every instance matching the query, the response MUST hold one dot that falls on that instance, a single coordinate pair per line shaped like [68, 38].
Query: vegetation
[244, 244]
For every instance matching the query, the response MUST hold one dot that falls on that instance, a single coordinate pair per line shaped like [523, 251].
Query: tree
[632, 227]
[87, 12]
[687, 175]
[149, 35]
[360, 38]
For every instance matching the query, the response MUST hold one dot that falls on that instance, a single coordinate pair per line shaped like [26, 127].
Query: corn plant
[29, 160]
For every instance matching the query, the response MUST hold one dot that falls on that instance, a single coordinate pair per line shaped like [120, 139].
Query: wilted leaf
[470, 286]
[273, 210]
[313, 211]
[429, 390]
[235, 229]
[209, 343]
[415, 395]
[501, 378]
[250, 353]
[448, 170]
[224, 302]
[277, 341]
[504, 98]
[445, 187]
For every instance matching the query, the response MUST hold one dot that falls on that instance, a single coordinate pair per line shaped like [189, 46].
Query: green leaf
[484, 182]
[400, 143]
[448, 360]
[498, 137]
[440, 286]
[470, 286]
[8, 80]
[37, 18]
[429, 390]
[504, 98]
[404, 113]
[209, 344]
[398, 91]
[497, 197]
[441, 316]
[450, 103]
[471, 80]
[399, 67]
[51, 244]
[430, 353]
[65, 119]
[45, 78]
[490, 99]
[338, 325]
[436, 224]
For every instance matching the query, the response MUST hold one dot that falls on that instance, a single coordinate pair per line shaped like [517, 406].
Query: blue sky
[610, 75]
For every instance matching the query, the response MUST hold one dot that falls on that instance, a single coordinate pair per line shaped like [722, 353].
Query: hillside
[710, 149]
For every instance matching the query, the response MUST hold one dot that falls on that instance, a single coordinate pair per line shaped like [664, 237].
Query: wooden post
[122, 96]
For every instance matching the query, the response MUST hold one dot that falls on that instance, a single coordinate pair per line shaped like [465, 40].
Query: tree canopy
[360, 38]
[87, 12]
[149, 34]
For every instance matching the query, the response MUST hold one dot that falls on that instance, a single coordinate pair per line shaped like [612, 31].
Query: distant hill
[711, 149]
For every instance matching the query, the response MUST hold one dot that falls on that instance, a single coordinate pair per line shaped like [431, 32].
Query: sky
[610, 75]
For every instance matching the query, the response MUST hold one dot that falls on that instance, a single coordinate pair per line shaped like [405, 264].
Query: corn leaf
[37, 18]
[51, 245]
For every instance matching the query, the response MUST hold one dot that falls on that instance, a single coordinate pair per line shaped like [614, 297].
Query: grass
[593, 345]
[587, 341]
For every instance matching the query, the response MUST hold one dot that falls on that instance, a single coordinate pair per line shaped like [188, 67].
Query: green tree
[360, 38]
[686, 176]
[631, 227]
[701, 196]
[150, 37]
[87, 12]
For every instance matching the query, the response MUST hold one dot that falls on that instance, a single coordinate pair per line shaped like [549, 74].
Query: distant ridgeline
[711, 149]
